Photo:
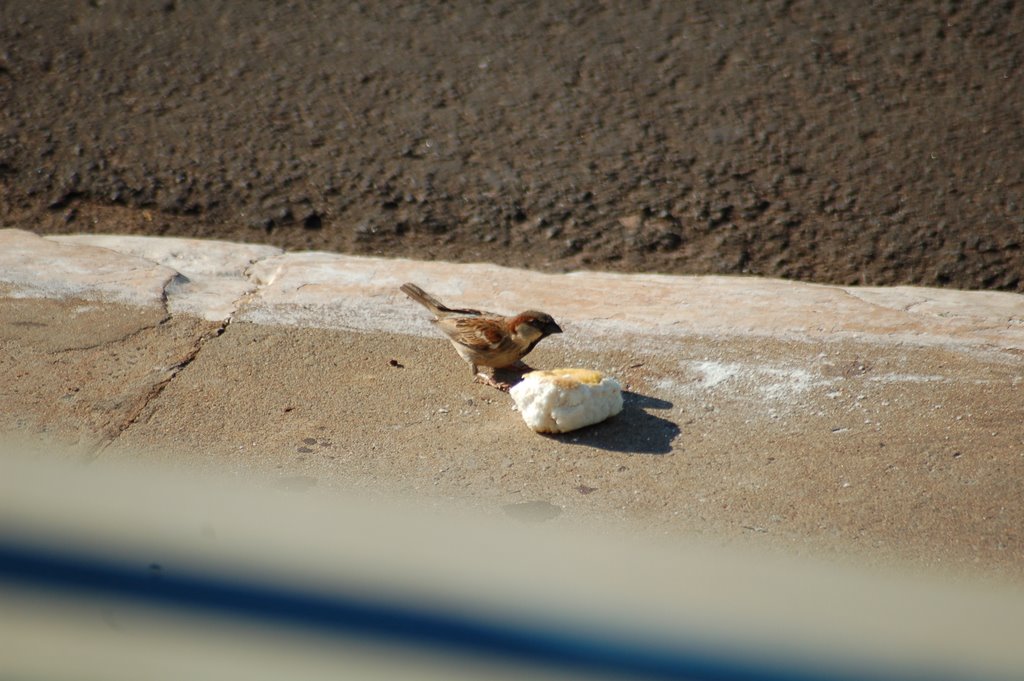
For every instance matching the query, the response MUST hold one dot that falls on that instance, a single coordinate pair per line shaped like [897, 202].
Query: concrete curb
[262, 284]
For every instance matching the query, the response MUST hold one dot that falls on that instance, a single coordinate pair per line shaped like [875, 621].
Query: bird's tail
[425, 299]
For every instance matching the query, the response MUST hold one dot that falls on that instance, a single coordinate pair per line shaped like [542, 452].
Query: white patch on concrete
[907, 378]
[787, 384]
[713, 373]
[769, 385]
[773, 386]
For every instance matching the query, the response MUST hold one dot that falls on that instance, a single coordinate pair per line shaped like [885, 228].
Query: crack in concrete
[127, 337]
[142, 329]
[243, 299]
[908, 308]
[158, 388]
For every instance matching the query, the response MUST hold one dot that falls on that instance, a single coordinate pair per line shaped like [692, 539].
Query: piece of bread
[561, 400]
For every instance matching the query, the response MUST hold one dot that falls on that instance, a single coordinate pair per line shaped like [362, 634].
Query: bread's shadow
[632, 431]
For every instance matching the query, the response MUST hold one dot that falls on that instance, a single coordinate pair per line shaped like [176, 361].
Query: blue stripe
[205, 593]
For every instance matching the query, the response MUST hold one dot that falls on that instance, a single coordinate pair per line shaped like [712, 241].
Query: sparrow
[486, 339]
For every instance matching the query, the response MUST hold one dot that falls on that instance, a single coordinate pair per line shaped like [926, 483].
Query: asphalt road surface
[851, 143]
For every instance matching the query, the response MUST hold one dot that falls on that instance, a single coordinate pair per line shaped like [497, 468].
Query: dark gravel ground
[847, 142]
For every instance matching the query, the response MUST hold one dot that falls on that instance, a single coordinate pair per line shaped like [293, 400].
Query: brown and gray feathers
[485, 338]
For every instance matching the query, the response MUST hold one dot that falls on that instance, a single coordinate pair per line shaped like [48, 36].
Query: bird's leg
[481, 377]
[493, 382]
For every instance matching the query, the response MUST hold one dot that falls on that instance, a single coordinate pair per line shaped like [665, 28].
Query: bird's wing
[476, 332]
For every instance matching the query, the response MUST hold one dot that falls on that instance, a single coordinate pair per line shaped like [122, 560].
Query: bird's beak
[553, 327]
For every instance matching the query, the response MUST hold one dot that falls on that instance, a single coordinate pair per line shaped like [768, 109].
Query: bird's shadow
[631, 431]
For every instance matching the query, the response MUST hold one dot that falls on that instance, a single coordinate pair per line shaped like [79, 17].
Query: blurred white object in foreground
[131, 572]
[561, 400]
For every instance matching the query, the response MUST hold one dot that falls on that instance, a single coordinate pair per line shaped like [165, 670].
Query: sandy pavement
[902, 439]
